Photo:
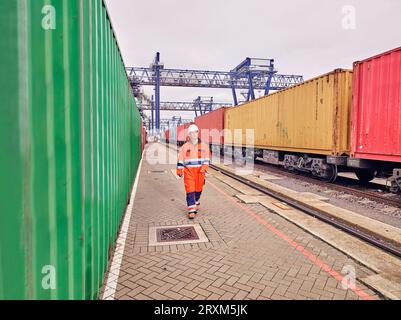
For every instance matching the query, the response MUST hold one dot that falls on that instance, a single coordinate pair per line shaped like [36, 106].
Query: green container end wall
[70, 147]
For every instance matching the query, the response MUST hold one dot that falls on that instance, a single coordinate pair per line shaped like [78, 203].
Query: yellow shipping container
[312, 117]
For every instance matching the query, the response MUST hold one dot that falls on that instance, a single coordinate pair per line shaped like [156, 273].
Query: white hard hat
[193, 128]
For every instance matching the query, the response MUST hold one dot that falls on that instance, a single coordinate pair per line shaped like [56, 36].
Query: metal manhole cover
[177, 234]
[171, 235]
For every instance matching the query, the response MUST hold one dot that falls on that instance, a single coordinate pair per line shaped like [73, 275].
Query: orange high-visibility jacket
[193, 158]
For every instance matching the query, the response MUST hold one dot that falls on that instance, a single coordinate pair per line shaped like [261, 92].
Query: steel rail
[338, 186]
[380, 243]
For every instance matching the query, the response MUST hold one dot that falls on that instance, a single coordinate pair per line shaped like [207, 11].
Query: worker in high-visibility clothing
[193, 163]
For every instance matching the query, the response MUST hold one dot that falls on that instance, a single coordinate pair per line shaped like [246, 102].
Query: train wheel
[288, 166]
[327, 173]
[365, 175]
[332, 172]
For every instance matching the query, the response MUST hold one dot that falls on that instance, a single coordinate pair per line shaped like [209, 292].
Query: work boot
[191, 215]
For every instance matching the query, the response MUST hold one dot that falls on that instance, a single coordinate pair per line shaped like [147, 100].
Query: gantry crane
[251, 74]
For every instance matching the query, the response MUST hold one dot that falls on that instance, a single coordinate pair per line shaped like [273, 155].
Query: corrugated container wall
[312, 117]
[70, 147]
[211, 127]
[376, 112]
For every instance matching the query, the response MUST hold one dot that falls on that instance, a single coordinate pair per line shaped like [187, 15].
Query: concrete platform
[250, 253]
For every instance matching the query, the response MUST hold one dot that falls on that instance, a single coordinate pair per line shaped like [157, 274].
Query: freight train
[70, 136]
[342, 121]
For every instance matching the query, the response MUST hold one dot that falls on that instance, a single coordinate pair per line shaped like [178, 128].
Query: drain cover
[157, 171]
[183, 234]
[177, 234]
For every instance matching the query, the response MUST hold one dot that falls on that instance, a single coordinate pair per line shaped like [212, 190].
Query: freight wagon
[70, 137]
[308, 128]
[376, 117]
[303, 128]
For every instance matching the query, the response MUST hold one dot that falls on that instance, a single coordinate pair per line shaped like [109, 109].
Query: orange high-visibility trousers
[194, 182]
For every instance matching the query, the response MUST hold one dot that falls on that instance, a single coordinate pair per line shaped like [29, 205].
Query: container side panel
[15, 213]
[70, 135]
[376, 119]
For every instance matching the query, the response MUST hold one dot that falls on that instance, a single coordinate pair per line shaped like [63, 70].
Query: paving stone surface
[242, 260]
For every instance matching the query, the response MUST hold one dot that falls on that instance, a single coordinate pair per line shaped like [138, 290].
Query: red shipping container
[182, 132]
[376, 108]
[211, 126]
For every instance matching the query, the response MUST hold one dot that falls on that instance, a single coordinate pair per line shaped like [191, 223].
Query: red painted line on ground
[340, 278]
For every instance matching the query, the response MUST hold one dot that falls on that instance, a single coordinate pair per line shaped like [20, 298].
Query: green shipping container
[70, 147]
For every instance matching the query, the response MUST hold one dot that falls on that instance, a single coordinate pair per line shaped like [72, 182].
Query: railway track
[380, 243]
[342, 184]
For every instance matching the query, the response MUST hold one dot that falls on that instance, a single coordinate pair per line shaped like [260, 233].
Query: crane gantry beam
[181, 106]
[209, 79]
[200, 105]
[166, 123]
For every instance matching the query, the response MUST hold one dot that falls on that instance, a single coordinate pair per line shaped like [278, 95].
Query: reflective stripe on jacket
[193, 156]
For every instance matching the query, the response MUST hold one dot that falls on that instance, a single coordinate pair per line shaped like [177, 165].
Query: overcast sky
[306, 37]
